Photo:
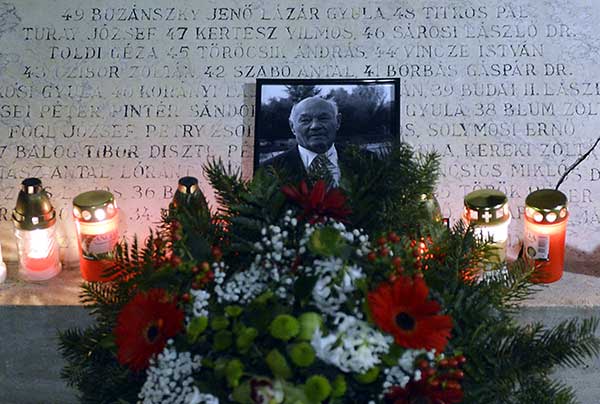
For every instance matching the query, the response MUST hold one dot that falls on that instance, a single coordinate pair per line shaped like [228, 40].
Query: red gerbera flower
[144, 326]
[318, 203]
[402, 309]
[423, 392]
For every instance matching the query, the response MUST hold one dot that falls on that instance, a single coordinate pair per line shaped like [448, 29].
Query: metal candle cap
[546, 206]
[94, 206]
[187, 185]
[33, 210]
[486, 206]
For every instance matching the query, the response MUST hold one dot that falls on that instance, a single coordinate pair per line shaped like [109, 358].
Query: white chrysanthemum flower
[354, 347]
[336, 281]
[200, 398]
[169, 378]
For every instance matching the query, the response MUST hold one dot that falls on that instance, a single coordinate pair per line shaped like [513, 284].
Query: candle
[96, 218]
[486, 210]
[432, 207]
[546, 219]
[2, 267]
[187, 187]
[35, 228]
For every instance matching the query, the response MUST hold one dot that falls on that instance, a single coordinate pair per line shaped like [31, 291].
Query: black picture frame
[369, 127]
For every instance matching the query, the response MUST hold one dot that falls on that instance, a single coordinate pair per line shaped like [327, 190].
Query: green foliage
[385, 193]
[89, 361]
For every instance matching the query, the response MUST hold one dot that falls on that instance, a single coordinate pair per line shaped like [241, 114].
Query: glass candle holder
[35, 229]
[546, 218]
[432, 207]
[486, 210]
[96, 218]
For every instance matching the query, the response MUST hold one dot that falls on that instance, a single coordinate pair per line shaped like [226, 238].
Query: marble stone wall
[130, 96]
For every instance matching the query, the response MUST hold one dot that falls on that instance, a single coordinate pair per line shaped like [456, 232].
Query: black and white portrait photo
[301, 123]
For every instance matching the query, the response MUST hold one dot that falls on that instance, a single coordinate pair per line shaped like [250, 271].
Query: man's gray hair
[330, 101]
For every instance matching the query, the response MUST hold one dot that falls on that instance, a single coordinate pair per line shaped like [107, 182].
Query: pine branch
[536, 390]
[102, 300]
[227, 184]
[571, 342]
[517, 286]
[384, 191]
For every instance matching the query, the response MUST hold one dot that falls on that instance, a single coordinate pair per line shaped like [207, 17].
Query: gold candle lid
[546, 206]
[94, 206]
[486, 207]
[187, 185]
[33, 209]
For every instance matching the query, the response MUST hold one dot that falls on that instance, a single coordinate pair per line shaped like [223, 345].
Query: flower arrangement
[298, 293]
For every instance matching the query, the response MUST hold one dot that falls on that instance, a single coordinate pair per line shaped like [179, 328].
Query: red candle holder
[546, 218]
[96, 218]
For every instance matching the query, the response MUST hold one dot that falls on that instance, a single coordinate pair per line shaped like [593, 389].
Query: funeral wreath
[297, 292]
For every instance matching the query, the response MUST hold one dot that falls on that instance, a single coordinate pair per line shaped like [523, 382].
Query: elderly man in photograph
[314, 121]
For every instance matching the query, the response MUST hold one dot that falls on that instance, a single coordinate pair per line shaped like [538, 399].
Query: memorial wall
[130, 96]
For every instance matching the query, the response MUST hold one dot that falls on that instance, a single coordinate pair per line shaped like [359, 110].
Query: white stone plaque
[131, 96]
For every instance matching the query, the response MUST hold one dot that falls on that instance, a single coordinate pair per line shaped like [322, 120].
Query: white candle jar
[35, 229]
[486, 210]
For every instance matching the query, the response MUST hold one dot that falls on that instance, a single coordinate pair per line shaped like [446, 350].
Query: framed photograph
[317, 115]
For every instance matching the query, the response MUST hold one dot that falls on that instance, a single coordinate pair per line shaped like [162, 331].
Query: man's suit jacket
[291, 162]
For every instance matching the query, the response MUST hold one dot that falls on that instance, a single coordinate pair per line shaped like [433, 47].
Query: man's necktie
[319, 169]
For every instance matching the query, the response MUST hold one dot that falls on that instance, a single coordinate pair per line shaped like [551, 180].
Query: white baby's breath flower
[406, 369]
[201, 301]
[169, 378]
